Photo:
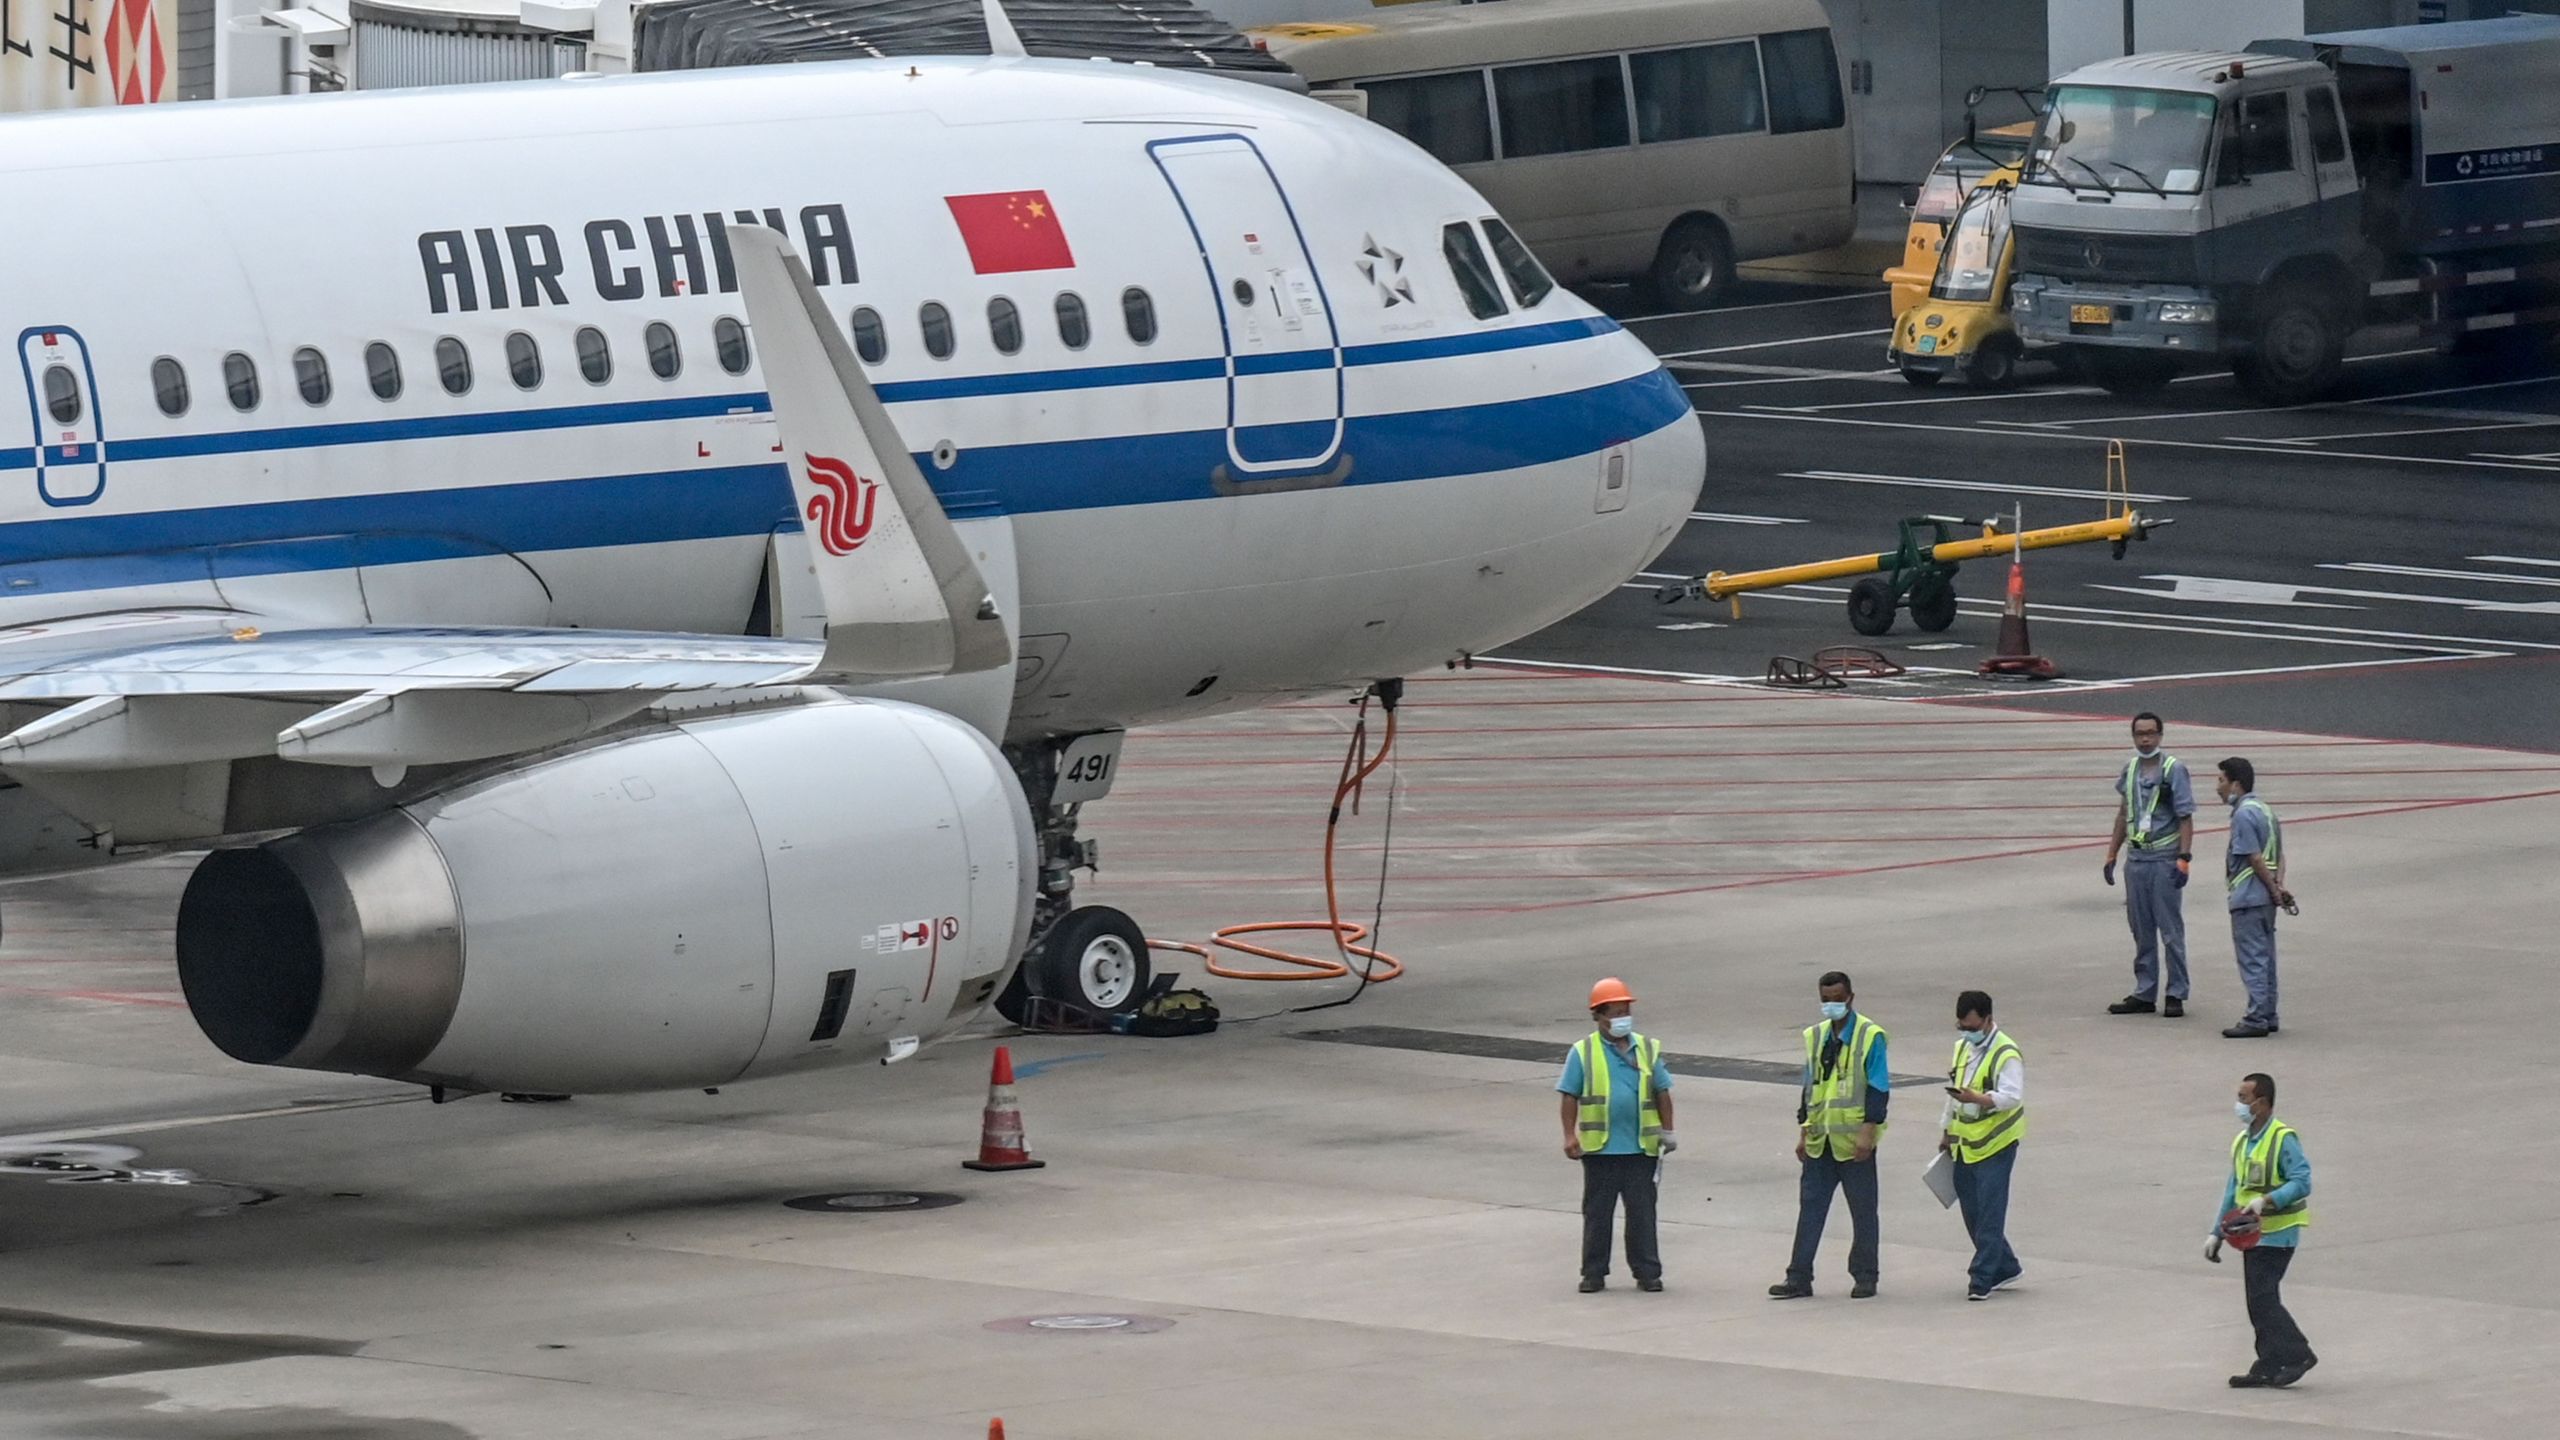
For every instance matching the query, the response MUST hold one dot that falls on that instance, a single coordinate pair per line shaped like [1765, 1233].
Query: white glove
[2213, 1249]
[1670, 1142]
[2257, 1206]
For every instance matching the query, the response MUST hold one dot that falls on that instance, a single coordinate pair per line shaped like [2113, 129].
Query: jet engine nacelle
[689, 905]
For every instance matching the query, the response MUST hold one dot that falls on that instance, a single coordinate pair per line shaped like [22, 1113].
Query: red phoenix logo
[841, 508]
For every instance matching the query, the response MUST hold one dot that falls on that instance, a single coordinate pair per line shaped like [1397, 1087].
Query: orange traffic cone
[995, 1429]
[2016, 657]
[1000, 1133]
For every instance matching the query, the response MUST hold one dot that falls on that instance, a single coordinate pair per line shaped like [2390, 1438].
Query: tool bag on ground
[1174, 1012]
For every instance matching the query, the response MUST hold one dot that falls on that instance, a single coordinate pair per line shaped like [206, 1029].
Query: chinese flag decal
[1011, 230]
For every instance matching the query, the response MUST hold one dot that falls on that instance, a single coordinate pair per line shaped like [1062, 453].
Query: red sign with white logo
[841, 509]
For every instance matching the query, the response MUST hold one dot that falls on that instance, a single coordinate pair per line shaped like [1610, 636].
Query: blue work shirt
[2249, 836]
[2163, 844]
[1879, 1074]
[2296, 1170]
[1625, 1104]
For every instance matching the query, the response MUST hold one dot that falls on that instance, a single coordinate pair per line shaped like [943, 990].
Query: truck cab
[2193, 203]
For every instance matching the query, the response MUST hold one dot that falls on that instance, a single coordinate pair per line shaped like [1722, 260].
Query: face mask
[1975, 1038]
[1835, 1009]
[1622, 1027]
[2145, 752]
[2241, 1109]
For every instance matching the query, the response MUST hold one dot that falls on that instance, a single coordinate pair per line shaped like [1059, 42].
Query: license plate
[1928, 344]
[2093, 314]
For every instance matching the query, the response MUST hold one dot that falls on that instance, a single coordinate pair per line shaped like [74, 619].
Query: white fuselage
[1345, 475]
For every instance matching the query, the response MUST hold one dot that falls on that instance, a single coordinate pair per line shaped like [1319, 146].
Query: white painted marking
[2130, 681]
[2037, 430]
[1923, 482]
[1974, 398]
[1720, 518]
[2210, 590]
[2513, 560]
[1747, 309]
[2494, 607]
[2395, 434]
[2422, 572]
[2151, 621]
[1780, 344]
[190, 1122]
[2541, 462]
[2316, 404]
[1694, 625]
[1943, 645]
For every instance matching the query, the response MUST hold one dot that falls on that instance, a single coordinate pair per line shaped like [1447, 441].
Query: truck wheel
[1871, 606]
[2297, 345]
[2130, 374]
[1933, 605]
[1694, 266]
[1995, 365]
[1922, 378]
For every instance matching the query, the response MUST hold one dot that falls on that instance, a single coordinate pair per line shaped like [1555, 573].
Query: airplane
[633, 579]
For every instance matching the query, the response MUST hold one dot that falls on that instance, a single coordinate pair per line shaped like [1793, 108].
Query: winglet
[1002, 39]
[902, 596]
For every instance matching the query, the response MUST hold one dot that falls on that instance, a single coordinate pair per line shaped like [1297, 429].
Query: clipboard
[1940, 1177]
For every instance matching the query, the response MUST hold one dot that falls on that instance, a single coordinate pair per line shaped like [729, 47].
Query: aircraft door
[62, 410]
[1283, 354]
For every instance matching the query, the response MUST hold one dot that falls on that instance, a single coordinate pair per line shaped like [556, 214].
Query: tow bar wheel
[1871, 606]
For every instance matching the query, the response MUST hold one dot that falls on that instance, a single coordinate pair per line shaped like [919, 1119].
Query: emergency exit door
[62, 410]
[1283, 354]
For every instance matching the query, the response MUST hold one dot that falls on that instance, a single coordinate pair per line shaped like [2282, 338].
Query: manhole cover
[1095, 1324]
[862, 1202]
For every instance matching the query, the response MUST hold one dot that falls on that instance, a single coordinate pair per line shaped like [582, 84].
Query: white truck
[2261, 207]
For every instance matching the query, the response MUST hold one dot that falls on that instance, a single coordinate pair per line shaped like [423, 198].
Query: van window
[240, 380]
[453, 366]
[1804, 81]
[1074, 330]
[2264, 144]
[1561, 106]
[2328, 142]
[1706, 90]
[524, 360]
[169, 386]
[1004, 325]
[1530, 282]
[666, 357]
[595, 355]
[382, 370]
[1475, 278]
[1139, 314]
[311, 375]
[729, 339]
[1444, 114]
[870, 337]
[62, 394]
[936, 324]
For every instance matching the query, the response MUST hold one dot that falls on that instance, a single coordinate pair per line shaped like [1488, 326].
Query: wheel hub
[1107, 972]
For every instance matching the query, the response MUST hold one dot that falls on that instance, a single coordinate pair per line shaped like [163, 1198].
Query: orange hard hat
[1610, 992]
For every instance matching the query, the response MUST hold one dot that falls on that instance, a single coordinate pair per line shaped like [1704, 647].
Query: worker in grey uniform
[2254, 875]
[2155, 820]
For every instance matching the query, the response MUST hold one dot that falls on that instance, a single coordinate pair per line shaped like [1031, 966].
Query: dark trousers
[1857, 1180]
[1607, 1180]
[1982, 1196]
[2280, 1341]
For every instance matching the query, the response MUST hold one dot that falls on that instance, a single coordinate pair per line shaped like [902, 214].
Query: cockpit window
[1530, 282]
[1475, 278]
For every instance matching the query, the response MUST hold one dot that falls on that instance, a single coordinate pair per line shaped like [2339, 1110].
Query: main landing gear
[1085, 960]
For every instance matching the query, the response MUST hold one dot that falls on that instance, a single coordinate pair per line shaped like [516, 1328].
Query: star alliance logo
[1384, 268]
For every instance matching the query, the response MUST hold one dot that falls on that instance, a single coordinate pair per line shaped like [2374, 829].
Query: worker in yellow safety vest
[1616, 1106]
[2266, 1202]
[1985, 1118]
[1839, 1122]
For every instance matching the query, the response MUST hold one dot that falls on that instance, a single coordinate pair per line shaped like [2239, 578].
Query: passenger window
[936, 323]
[524, 360]
[1562, 106]
[169, 386]
[729, 340]
[62, 395]
[240, 380]
[1689, 94]
[453, 366]
[1444, 114]
[1475, 278]
[595, 355]
[1075, 331]
[2264, 145]
[382, 370]
[666, 361]
[870, 337]
[1138, 313]
[1804, 81]
[2328, 143]
[1530, 282]
[311, 375]
[1004, 325]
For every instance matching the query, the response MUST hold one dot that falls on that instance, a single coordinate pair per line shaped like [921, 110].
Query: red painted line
[1407, 732]
[117, 997]
[2081, 776]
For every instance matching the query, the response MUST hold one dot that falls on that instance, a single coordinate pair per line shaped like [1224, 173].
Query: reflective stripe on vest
[2254, 1172]
[2275, 845]
[2138, 827]
[1835, 1105]
[1997, 1130]
[1591, 1119]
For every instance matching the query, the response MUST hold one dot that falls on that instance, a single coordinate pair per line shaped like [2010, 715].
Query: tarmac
[1357, 1221]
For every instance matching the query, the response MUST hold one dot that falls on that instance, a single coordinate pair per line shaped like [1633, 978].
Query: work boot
[2284, 1375]
[2175, 1009]
[2256, 1379]
[1790, 1290]
[1593, 1283]
[2247, 1030]
[1650, 1287]
[1863, 1290]
[2132, 1005]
